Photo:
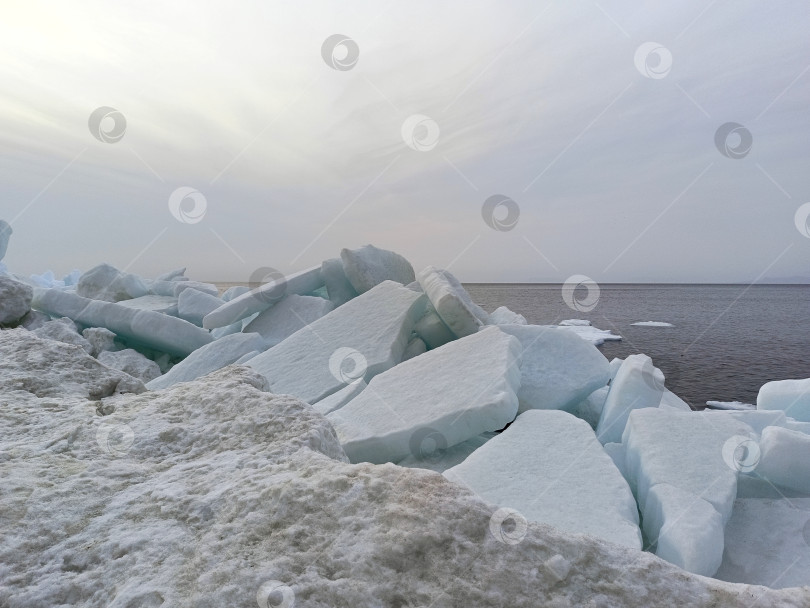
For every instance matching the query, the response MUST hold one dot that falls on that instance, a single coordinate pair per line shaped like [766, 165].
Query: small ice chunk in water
[730, 405]
[652, 324]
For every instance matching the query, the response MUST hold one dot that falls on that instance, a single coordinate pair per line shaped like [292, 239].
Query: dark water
[728, 340]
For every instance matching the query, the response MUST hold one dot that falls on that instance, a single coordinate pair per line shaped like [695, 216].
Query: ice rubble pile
[407, 369]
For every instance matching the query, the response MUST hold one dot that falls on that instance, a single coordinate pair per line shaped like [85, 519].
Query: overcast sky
[605, 144]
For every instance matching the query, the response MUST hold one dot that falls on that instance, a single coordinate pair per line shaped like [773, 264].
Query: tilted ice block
[671, 400]
[452, 302]
[790, 396]
[415, 348]
[450, 394]
[5, 235]
[263, 297]
[15, 299]
[101, 339]
[152, 329]
[369, 266]
[549, 466]
[193, 305]
[433, 458]
[181, 286]
[360, 339]
[504, 316]
[590, 408]
[107, 283]
[337, 285]
[209, 358]
[785, 458]
[337, 400]
[173, 275]
[234, 292]
[166, 305]
[282, 320]
[558, 368]
[638, 384]
[432, 329]
[686, 530]
[689, 450]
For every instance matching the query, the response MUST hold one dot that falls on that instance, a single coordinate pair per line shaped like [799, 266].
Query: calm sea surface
[727, 340]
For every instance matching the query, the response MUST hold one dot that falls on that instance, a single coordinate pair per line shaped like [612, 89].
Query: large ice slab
[458, 391]
[15, 299]
[432, 329]
[638, 384]
[684, 529]
[358, 340]
[283, 319]
[785, 458]
[452, 302]
[368, 266]
[193, 305]
[263, 297]
[209, 358]
[558, 369]
[790, 396]
[549, 466]
[107, 283]
[152, 329]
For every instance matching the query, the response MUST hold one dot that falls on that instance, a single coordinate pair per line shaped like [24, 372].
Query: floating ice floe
[730, 405]
[369, 266]
[288, 316]
[558, 369]
[263, 297]
[790, 396]
[356, 341]
[591, 334]
[450, 394]
[152, 329]
[652, 324]
[452, 302]
[550, 467]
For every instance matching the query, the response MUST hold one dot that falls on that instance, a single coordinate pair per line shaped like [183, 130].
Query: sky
[231, 136]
